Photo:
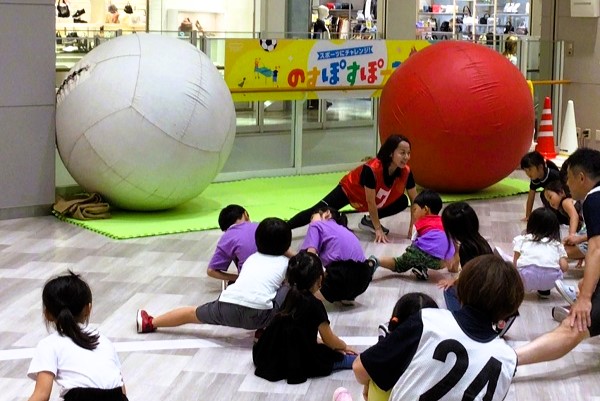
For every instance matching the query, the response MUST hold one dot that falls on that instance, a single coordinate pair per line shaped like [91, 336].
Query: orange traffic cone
[545, 139]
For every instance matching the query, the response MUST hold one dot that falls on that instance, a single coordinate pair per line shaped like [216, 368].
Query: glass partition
[309, 136]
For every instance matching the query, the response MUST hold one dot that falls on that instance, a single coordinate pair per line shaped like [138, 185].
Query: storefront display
[483, 21]
[349, 20]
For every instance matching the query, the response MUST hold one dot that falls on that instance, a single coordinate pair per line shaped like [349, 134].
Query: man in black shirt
[583, 321]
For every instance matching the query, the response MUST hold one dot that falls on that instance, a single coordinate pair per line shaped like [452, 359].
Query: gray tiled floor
[204, 362]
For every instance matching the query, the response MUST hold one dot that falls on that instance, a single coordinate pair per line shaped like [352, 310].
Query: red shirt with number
[384, 195]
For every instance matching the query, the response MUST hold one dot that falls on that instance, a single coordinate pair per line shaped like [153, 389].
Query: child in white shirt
[539, 255]
[80, 360]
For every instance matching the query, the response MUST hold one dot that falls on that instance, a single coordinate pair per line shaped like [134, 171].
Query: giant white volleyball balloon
[145, 120]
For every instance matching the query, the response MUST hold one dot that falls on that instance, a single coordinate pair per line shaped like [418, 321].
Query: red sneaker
[144, 322]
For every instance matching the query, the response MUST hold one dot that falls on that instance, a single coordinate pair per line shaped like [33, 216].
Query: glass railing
[307, 136]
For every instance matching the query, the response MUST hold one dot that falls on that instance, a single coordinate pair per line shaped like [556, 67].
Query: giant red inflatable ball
[467, 111]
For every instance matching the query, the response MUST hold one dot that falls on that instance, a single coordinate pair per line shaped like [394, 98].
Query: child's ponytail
[66, 302]
[304, 270]
[407, 305]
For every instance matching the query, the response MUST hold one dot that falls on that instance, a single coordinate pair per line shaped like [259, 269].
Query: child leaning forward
[431, 248]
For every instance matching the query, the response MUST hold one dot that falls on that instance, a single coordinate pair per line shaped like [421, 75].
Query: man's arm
[580, 315]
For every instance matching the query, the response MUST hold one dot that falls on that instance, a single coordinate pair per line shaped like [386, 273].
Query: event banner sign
[293, 69]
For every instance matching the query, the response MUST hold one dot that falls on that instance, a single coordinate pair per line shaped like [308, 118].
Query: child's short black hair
[532, 159]
[558, 187]
[336, 216]
[429, 198]
[543, 223]
[229, 215]
[273, 236]
[492, 286]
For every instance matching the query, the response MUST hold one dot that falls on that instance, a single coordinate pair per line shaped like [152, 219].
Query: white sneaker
[568, 292]
[560, 313]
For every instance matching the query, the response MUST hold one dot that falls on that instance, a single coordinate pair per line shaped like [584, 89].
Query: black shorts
[95, 394]
[345, 280]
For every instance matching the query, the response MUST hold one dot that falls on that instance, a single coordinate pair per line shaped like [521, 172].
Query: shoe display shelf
[483, 21]
[204, 20]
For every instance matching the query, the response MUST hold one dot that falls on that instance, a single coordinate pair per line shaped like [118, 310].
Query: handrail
[552, 82]
[305, 89]
[358, 87]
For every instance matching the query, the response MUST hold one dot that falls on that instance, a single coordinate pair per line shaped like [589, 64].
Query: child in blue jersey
[437, 354]
[348, 272]
[431, 248]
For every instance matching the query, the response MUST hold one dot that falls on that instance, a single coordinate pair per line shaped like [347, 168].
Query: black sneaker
[373, 263]
[367, 225]
[543, 294]
[421, 274]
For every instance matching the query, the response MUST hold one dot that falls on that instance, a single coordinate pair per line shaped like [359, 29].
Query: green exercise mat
[262, 197]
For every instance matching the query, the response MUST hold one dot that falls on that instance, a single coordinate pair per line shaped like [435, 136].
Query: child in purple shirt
[348, 273]
[235, 245]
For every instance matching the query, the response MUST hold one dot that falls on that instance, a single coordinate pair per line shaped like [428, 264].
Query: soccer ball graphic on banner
[268, 45]
[144, 120]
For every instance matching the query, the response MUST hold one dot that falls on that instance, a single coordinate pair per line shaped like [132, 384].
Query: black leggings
[337, 199]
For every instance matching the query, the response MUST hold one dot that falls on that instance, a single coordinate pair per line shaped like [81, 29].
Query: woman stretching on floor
[376, 187]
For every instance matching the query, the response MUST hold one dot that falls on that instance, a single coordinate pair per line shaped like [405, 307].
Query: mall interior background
[29, 175]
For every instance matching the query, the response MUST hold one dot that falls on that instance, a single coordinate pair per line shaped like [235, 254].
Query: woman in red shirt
[377, 187]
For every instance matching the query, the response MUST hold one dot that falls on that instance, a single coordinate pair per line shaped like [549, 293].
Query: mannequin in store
[320, 30]
[360, 28]
[370, 10]
[510, 49]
